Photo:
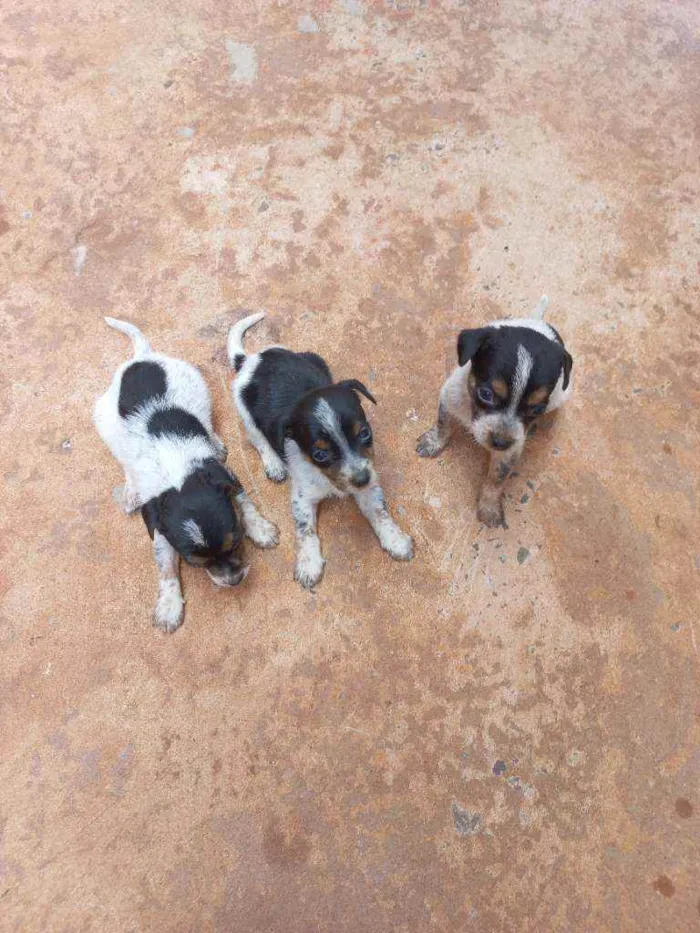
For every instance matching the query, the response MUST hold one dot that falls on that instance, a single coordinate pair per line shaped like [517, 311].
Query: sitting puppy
[509, 374]
[156, 419]
[304, 425]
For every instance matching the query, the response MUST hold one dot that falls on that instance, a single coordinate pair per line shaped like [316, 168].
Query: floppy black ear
[150, 512]
[217, 474]
[469, 342]
[566, 365]
[358, 386]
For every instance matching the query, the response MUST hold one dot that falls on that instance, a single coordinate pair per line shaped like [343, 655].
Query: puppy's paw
[490, 512]
[431, 443]
[170, 610]
[309, 566]
[397, 543]
[127, 499]
[275, 470]
[262, 532]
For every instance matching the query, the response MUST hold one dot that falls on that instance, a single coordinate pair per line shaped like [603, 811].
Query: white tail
[236, 353]
[542, 305]
[141, 346]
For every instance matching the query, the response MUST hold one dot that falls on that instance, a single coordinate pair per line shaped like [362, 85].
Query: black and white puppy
[156, 419]
[509, 373]
[314, 430]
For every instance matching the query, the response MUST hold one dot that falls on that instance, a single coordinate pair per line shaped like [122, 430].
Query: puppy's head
[514, 372]
[332, 431]
[200, 522]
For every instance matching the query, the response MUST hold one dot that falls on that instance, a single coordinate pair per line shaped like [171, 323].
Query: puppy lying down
[156, 419]
[509, 374]
[314, 430]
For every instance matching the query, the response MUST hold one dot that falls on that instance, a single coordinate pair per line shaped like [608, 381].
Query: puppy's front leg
[261, 532]
[310, 563]
[433, 442]
[170, 605]
[490, 509]
[373, 506]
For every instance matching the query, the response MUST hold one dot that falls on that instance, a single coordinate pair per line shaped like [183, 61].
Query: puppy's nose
[501, 443]
[361, 478]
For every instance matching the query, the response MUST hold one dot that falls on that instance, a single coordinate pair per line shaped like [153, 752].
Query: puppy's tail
[236, 353]
[542, 305]
[141, 346]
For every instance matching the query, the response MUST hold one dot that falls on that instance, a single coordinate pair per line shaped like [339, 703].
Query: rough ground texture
[503, 735]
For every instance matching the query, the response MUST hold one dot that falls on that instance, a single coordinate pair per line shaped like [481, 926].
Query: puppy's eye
[535, 410]
[320, 455]
[365, 436]
[485, 395]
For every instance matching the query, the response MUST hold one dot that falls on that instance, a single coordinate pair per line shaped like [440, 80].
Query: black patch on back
[141, 383]
[281, 379]
[177, 422]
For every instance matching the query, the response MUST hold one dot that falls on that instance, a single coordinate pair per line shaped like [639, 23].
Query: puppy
[314, 430]
[509, 373]
[156, 419]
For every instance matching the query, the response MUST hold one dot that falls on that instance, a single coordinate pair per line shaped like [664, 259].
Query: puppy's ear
[469, 342]
[566, 365]
[151, 513]
[217, 475]
[358, 386]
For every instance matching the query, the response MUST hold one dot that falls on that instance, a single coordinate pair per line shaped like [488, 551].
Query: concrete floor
[503, 735]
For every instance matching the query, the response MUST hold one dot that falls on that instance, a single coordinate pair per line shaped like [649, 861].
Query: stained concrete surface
[501, 736]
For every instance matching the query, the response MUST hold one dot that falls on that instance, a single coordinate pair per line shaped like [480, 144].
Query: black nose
[360, 479]
[501, 443]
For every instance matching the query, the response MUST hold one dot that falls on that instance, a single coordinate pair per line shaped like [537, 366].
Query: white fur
[352, 463]
[170, 607]
[262, 533]
[194, 532]
[235, 335]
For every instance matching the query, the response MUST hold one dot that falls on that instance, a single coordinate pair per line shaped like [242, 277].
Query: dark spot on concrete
[667, 447]
[288, 849]
[530, 484]
[264, 206]
[675, 626]
[499, 767]
[524, 499]
[684, 808]
[466, 823]
[522, 555]
[664, 885]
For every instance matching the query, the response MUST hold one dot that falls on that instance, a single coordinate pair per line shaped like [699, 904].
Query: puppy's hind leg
[310, 563]
[433, 442]
[170, 606]
[372, 504]
[261, 532]
[221, 449]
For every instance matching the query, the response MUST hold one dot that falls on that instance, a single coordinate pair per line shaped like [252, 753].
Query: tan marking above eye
[228, 542]
[500, 387]
[356, 428]
[538, 396]
[322, 445]
[471, 380]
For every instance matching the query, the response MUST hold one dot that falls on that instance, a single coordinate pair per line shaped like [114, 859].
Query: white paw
[274, 469]
[170, 610]
[490, 512]
[263, 533]
[397, 543]
[127, 499]
[309, 566]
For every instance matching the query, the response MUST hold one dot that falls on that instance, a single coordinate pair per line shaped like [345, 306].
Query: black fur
[175, 421]
[282, 378]
[141, 383]
[283, 394]
[493, 352]
[205, 497]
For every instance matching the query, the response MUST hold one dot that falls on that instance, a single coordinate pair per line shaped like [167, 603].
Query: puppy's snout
[501, 442]
[360, 478]
[228, 574]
